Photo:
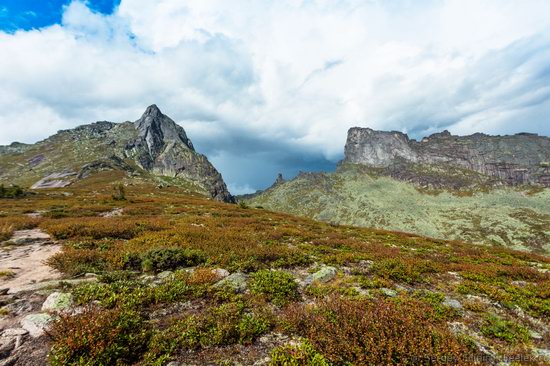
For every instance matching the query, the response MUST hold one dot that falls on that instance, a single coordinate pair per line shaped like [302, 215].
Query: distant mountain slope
[153, 148]
[481, 189]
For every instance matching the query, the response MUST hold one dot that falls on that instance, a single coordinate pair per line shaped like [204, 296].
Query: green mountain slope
[360, 196]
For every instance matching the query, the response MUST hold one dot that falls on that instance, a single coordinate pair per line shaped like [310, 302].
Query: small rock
[388, 292]
[361, 291]
[535, 335]
[35, 324]
[165, 275]
[452, 303]
[4, 291]
[90, 275]
[237, 281]
[14, 332]
[173, 363]
[519, 283]
[541, 352]
[57, 302]
[323, 275]
[364, 263]
[221, 273]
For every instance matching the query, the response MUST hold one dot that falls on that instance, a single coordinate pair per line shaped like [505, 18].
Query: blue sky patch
[32, 14]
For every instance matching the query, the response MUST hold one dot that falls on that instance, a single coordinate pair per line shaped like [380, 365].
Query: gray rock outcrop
[163, 148]
[517, 159]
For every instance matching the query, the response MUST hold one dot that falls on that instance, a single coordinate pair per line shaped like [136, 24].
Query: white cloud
[269, 78]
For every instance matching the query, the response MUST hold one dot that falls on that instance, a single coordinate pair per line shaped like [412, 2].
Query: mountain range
[480, 188]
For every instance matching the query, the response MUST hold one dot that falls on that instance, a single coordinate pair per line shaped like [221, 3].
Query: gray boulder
[237, 281]
[58, 302]
[323, 275]
[36, 324]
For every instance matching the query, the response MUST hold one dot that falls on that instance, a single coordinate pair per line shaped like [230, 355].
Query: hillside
[445, 187]
[164, 278]
[153, 148]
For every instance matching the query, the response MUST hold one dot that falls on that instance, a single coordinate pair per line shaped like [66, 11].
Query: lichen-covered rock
[388, 292]
[452, 303]
[58, 302]
[237, 281]
[36, 324]
[518, 159]
[220, 272]
[323, 275]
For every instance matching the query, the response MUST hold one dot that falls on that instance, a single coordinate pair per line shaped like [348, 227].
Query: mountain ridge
[511, 159]
[152, 147]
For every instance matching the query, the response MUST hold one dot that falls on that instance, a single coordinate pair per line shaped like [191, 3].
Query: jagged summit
[158, 130]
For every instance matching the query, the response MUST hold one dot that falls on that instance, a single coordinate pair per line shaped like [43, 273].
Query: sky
[269, 86]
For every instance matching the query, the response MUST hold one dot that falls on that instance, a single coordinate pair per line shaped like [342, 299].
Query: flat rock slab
[29, 236]
[26, 261]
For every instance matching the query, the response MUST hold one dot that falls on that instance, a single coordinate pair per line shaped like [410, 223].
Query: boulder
[237, 281]
[58, 302]
[35, 324]
[388, 292]
[323, 275]
[220, 272]
[452, 303]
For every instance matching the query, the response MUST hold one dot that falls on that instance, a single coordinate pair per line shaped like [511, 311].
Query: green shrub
[119, 193]
[277, 286]
[11, 192]
[223, 325]
[403, 270]
[78, 261]
[157, 260]
[302, 354]
[508, 331]
[98, 337]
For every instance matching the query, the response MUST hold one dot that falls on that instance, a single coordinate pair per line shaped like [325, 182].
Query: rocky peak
[516, 159]
[279, 180]
[163, 148]
[159, 130]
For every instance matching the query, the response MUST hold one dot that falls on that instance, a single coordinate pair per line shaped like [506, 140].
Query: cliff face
[513, 160]
[163, 148]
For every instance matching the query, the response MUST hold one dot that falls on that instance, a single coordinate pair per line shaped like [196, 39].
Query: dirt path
[23, 262]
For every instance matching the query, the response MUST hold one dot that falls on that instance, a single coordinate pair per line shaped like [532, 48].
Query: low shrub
[100, 227]
[404, 270]
[508, 331]
[277, 286]
[163, 259]
[376, 332]
[301, 354]
[13, 191]
[6, 232]
[79, 261]
[223, 325]
[98, 337]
